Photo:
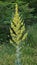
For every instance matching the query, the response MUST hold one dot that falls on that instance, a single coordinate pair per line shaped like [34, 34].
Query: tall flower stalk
[18, 34]
[17, 30]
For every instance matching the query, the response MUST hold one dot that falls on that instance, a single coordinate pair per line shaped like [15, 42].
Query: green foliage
[7, 8]
[5, 12]
[4, 33]
[28, 56]
[26, 11]
[7, 55]
[32, 37]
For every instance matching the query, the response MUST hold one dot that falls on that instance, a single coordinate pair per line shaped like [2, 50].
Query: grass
[29, 56]
[7, 55]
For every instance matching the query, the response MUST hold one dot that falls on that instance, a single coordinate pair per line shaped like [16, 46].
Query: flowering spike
[17, 29]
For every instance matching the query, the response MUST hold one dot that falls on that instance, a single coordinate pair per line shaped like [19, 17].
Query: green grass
[29, 56]
[7, 55]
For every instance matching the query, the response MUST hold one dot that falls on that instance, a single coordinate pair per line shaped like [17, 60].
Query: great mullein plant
[17, 30]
